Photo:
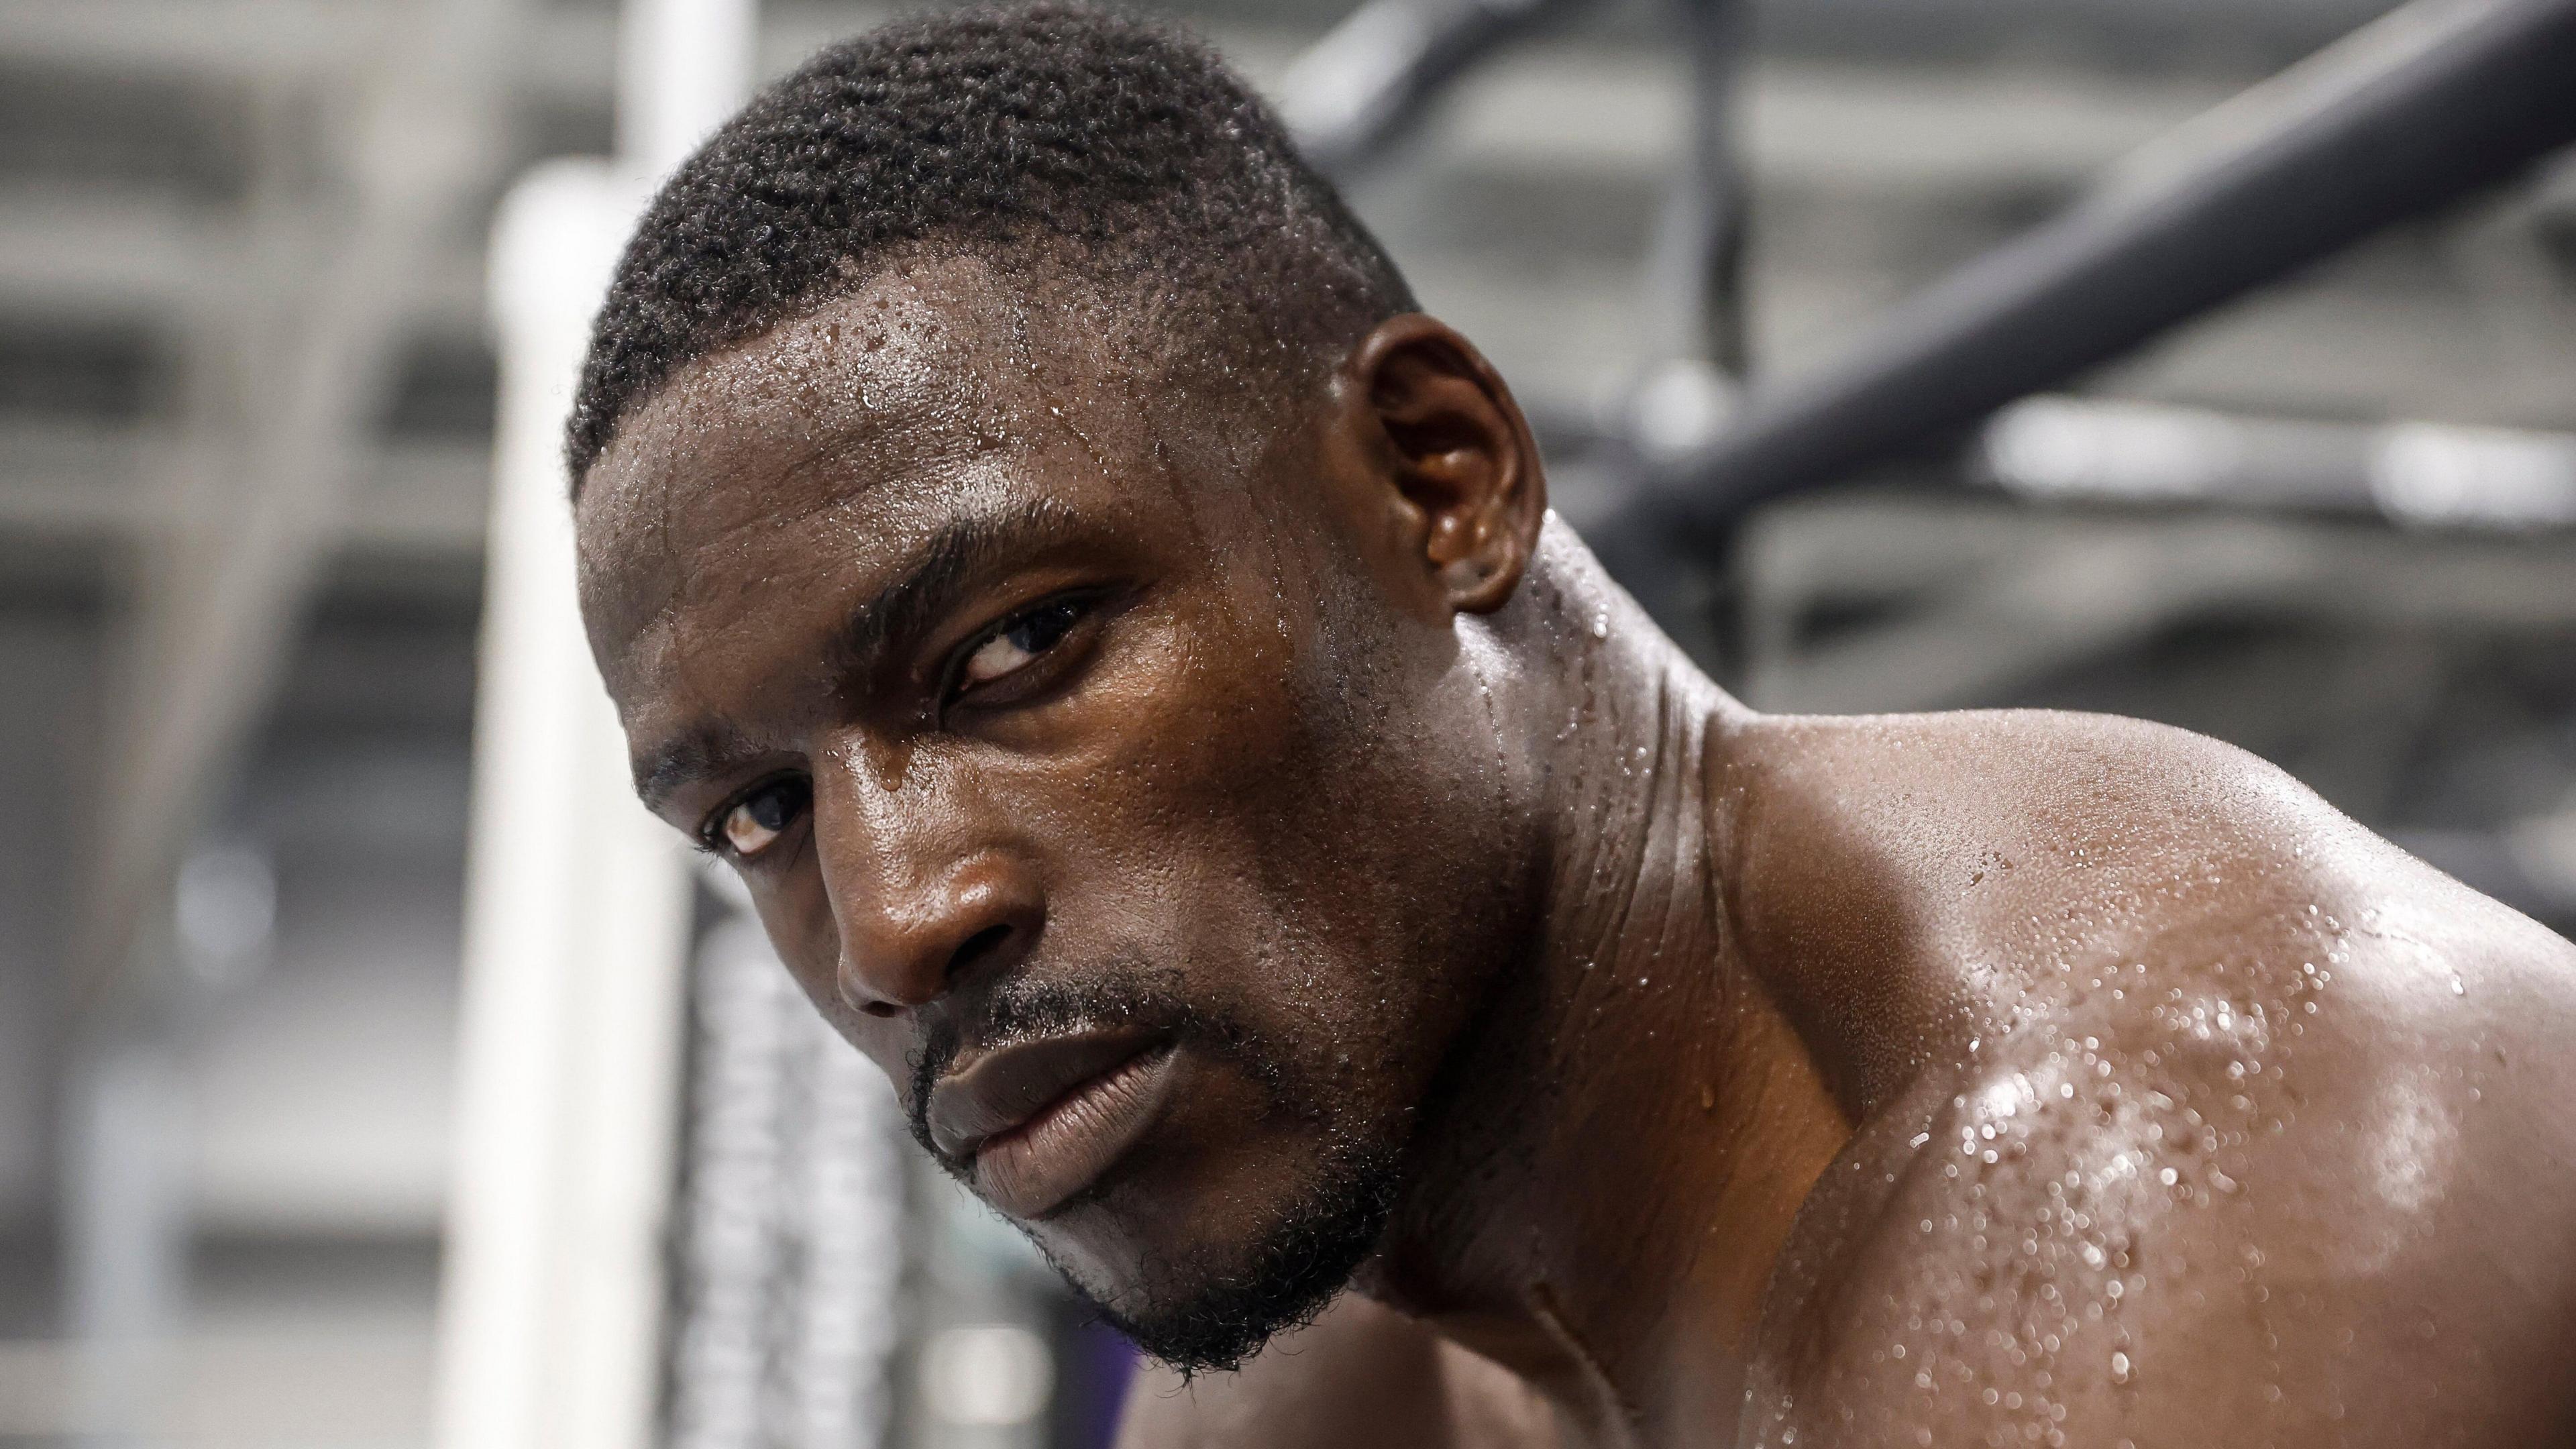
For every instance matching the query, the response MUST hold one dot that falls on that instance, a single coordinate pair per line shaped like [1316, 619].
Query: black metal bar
[1695, 318]
[1696, 270]
[2435, 101]
[1357, 89]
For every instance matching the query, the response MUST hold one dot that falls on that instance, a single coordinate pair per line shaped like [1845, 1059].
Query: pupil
[769, 811]
[1042, 628]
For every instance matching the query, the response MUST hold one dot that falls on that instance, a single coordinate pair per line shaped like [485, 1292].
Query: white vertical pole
[683, 66]
[575, 931]
[576, 900]
[125, 1229]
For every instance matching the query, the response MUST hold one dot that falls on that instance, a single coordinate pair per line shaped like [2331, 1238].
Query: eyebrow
[941, 568]
[698, 753]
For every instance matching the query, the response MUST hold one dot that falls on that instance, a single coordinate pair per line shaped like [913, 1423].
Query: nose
[916, 899]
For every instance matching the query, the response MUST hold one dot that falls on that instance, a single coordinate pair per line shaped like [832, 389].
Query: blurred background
[249, 384]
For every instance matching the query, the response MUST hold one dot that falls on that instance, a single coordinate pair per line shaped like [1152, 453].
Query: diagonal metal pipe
[2412, 112]
[1360, 87]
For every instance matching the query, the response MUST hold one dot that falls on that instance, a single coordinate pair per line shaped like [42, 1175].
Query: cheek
[797, 915]
[1262, 811]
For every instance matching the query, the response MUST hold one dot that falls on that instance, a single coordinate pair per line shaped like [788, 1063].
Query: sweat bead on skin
[1030, 533]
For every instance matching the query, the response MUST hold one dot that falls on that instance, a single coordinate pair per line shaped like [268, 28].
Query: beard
[1210, 1308]
[1205, 1312]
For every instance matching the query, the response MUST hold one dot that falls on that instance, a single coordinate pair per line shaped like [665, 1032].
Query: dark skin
[2025, 1077]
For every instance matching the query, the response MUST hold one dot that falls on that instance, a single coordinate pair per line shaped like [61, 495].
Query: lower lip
[1031, 1170]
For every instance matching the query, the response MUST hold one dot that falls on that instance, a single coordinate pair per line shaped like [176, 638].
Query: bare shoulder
[2257, 1137]
[2025, 840]
[2089, 789]
[2114, 832]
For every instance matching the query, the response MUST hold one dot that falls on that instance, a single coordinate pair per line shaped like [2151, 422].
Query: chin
[1202, 1279]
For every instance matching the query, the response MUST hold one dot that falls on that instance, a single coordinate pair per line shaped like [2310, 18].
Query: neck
[1623, 1139]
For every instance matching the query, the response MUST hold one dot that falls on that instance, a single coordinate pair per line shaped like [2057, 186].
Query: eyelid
[709, 836]
[1086, 599]
[709, 832]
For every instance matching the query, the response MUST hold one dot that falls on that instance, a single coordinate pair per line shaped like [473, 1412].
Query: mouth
[1041, 1121]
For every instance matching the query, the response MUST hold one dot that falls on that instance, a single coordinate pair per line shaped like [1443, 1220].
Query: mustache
[1019, 1008]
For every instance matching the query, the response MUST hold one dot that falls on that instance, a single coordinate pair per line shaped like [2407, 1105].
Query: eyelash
[1082, 605]
[709, 836]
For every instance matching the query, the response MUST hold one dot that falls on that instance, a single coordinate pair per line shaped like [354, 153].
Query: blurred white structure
[2428, 474]
[790, 1243]
[207, 205]
[986, 1375]
[577, 901]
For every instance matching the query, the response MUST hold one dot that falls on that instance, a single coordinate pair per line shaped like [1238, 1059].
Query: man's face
[1101, 766]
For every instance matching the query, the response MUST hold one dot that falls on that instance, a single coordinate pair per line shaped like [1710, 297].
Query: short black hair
[1054, 129]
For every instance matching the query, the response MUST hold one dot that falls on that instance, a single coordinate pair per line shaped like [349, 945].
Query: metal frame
[1357, 90]
[2427, 105]
[1354, 94]
[2433, 102]
[223, 593]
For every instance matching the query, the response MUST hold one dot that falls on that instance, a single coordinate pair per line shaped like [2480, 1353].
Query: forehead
[910, 397]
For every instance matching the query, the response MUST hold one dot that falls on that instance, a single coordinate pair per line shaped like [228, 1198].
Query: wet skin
[2011, 1078]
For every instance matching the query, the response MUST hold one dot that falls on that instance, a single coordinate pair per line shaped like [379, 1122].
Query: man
[1031, 534]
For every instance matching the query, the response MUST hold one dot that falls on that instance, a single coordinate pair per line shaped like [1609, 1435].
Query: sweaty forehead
[913, 387]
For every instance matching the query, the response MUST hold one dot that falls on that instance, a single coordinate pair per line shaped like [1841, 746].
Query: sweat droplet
[1601, 626]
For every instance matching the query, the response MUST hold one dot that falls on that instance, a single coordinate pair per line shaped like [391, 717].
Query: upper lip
[1005, 1087]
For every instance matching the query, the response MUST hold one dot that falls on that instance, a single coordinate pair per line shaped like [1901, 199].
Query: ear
[1462, 472]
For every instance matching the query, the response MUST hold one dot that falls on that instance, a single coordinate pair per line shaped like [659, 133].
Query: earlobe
[1463, 468]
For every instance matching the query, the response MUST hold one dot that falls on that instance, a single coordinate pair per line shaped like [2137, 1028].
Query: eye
[752, 823]
[1021, 640]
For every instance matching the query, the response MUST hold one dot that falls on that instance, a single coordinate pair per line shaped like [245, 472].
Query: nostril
[976, 947]
[879, 1009]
